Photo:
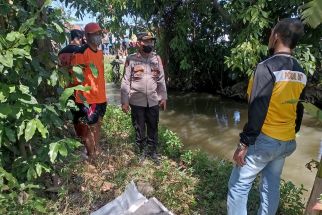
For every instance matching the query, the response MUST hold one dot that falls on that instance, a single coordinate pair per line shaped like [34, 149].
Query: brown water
[213, 125]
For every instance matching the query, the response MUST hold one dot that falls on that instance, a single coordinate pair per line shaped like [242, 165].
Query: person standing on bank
[76, 41]
[143, 89]
[87, 120]
[269, 136]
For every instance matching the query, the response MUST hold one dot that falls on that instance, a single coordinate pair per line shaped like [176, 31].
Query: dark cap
[145, 36]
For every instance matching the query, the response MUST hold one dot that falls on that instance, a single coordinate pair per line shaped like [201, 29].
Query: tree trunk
[315, 193]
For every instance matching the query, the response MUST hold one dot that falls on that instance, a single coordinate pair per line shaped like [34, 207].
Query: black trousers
[145, 120]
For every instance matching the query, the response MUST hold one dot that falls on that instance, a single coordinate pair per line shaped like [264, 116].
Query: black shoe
[143, 156]
[155, 158]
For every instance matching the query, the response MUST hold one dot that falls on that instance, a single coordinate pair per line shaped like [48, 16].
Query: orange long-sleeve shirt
[84, 57]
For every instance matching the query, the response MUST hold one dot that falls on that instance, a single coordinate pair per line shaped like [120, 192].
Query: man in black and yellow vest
[269, 135]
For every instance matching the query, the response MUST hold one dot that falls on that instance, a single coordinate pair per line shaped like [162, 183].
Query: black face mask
[147, 49]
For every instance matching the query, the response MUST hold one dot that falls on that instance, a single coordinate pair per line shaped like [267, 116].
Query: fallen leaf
[106, 186]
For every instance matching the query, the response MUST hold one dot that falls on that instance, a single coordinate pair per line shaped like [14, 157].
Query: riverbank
[186, 182]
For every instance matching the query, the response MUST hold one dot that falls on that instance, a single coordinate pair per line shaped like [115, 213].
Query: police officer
[143, 89]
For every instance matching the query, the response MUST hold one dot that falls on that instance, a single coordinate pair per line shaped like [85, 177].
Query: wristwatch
[241, 146]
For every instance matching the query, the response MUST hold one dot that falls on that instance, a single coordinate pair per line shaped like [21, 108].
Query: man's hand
[163, 104]
[239, 155]
[125, 108]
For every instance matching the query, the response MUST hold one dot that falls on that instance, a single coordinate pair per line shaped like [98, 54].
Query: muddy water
[213, 125]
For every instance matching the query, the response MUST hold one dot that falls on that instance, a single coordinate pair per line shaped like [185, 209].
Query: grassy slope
[187, 182]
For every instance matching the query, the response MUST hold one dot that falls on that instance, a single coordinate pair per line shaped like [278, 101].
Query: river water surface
[212, 124]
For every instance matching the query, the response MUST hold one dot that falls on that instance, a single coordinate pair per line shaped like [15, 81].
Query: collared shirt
[276, 82]
[143, 83]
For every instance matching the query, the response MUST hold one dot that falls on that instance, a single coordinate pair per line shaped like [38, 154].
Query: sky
[86, 19]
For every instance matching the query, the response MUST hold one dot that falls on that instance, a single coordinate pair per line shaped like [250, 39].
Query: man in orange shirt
[87, 119]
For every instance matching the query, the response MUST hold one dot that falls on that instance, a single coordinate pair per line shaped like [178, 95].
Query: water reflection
[222, 118]
[217, 131]
[213, 125]
[236, 117]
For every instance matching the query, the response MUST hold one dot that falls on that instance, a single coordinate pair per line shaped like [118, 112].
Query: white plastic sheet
[132, 202]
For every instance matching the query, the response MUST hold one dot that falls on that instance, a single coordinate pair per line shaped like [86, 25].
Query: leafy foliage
[207, 45]
[248, 48]
[16, 198]
[312, 13]
[291, 199]
[32, 132]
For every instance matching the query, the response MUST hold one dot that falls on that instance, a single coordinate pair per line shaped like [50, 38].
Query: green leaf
[14, 35]
[24, 89]
[12, 89]
[21, 52]
[7, 60]
[51, 109]
[312, 13]
[10, 134]
[37, 109]
[12, 181]
[78, 73]
[53, 151]
[30, 129]
[54, 78]
[4, 93]
[41, 128]
[63, 149]
[21, 129]
[40, 167]
[94, 70]
[5, 110]
[291, 101]
[58, 27]
[31, 173]
[28, 99]
[69, 91]
[41, 207]
[84, 100]
[72, 143]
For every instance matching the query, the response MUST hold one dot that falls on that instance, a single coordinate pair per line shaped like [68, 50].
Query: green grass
[108, 67]
[186, 182]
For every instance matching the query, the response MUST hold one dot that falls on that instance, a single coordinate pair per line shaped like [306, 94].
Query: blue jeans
[266, 157]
